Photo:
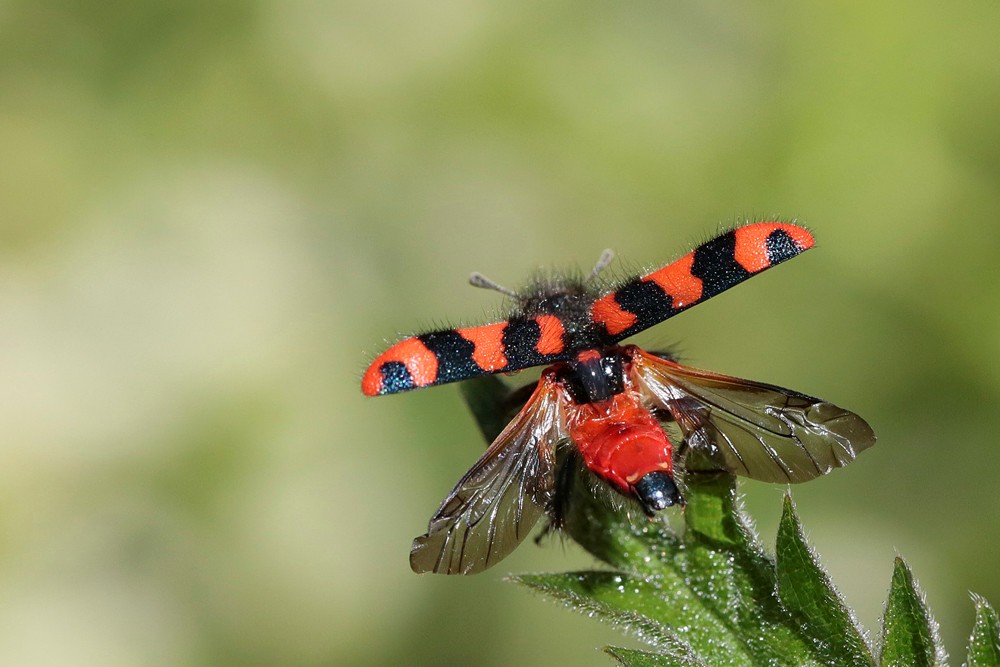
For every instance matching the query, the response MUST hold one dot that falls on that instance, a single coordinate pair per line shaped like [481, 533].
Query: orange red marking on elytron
[615, 319]
[551, 339]
[677, 281]
[420, 362]
[489, 350]
[751, 243]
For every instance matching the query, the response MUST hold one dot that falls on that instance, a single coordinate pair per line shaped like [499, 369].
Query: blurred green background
[213, 215]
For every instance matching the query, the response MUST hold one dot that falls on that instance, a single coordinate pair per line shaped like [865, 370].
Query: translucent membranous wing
[498, 501]
[756, 430]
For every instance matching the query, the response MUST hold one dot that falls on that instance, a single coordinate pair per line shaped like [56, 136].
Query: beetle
[610, 401]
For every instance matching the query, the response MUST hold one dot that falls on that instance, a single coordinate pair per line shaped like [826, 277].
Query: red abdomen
[620, 440]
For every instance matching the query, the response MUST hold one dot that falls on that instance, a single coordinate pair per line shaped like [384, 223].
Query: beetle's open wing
[756, 430]
[498, 501]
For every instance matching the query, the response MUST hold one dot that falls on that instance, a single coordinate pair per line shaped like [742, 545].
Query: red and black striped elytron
[611, 401]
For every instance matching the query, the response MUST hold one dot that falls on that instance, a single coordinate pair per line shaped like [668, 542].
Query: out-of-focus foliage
[213, 214]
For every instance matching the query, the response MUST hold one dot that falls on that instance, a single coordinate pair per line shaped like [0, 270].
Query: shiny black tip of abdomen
[656, 491]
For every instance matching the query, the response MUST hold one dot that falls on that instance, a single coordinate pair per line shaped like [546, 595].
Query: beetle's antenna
[602, 263]
[477, 279]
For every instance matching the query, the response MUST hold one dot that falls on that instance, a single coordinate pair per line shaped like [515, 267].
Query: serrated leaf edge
[986, 617]
[620, 654]
[901, 568]
[639, 626]
[842, 608]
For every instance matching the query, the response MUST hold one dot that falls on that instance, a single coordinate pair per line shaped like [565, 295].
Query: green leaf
[650, 609]
[909, 634]
[812, 601]
[632, 658]
[984, 644]
[712, 513]
[629, 603]
[725, 565]
[711, 592]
